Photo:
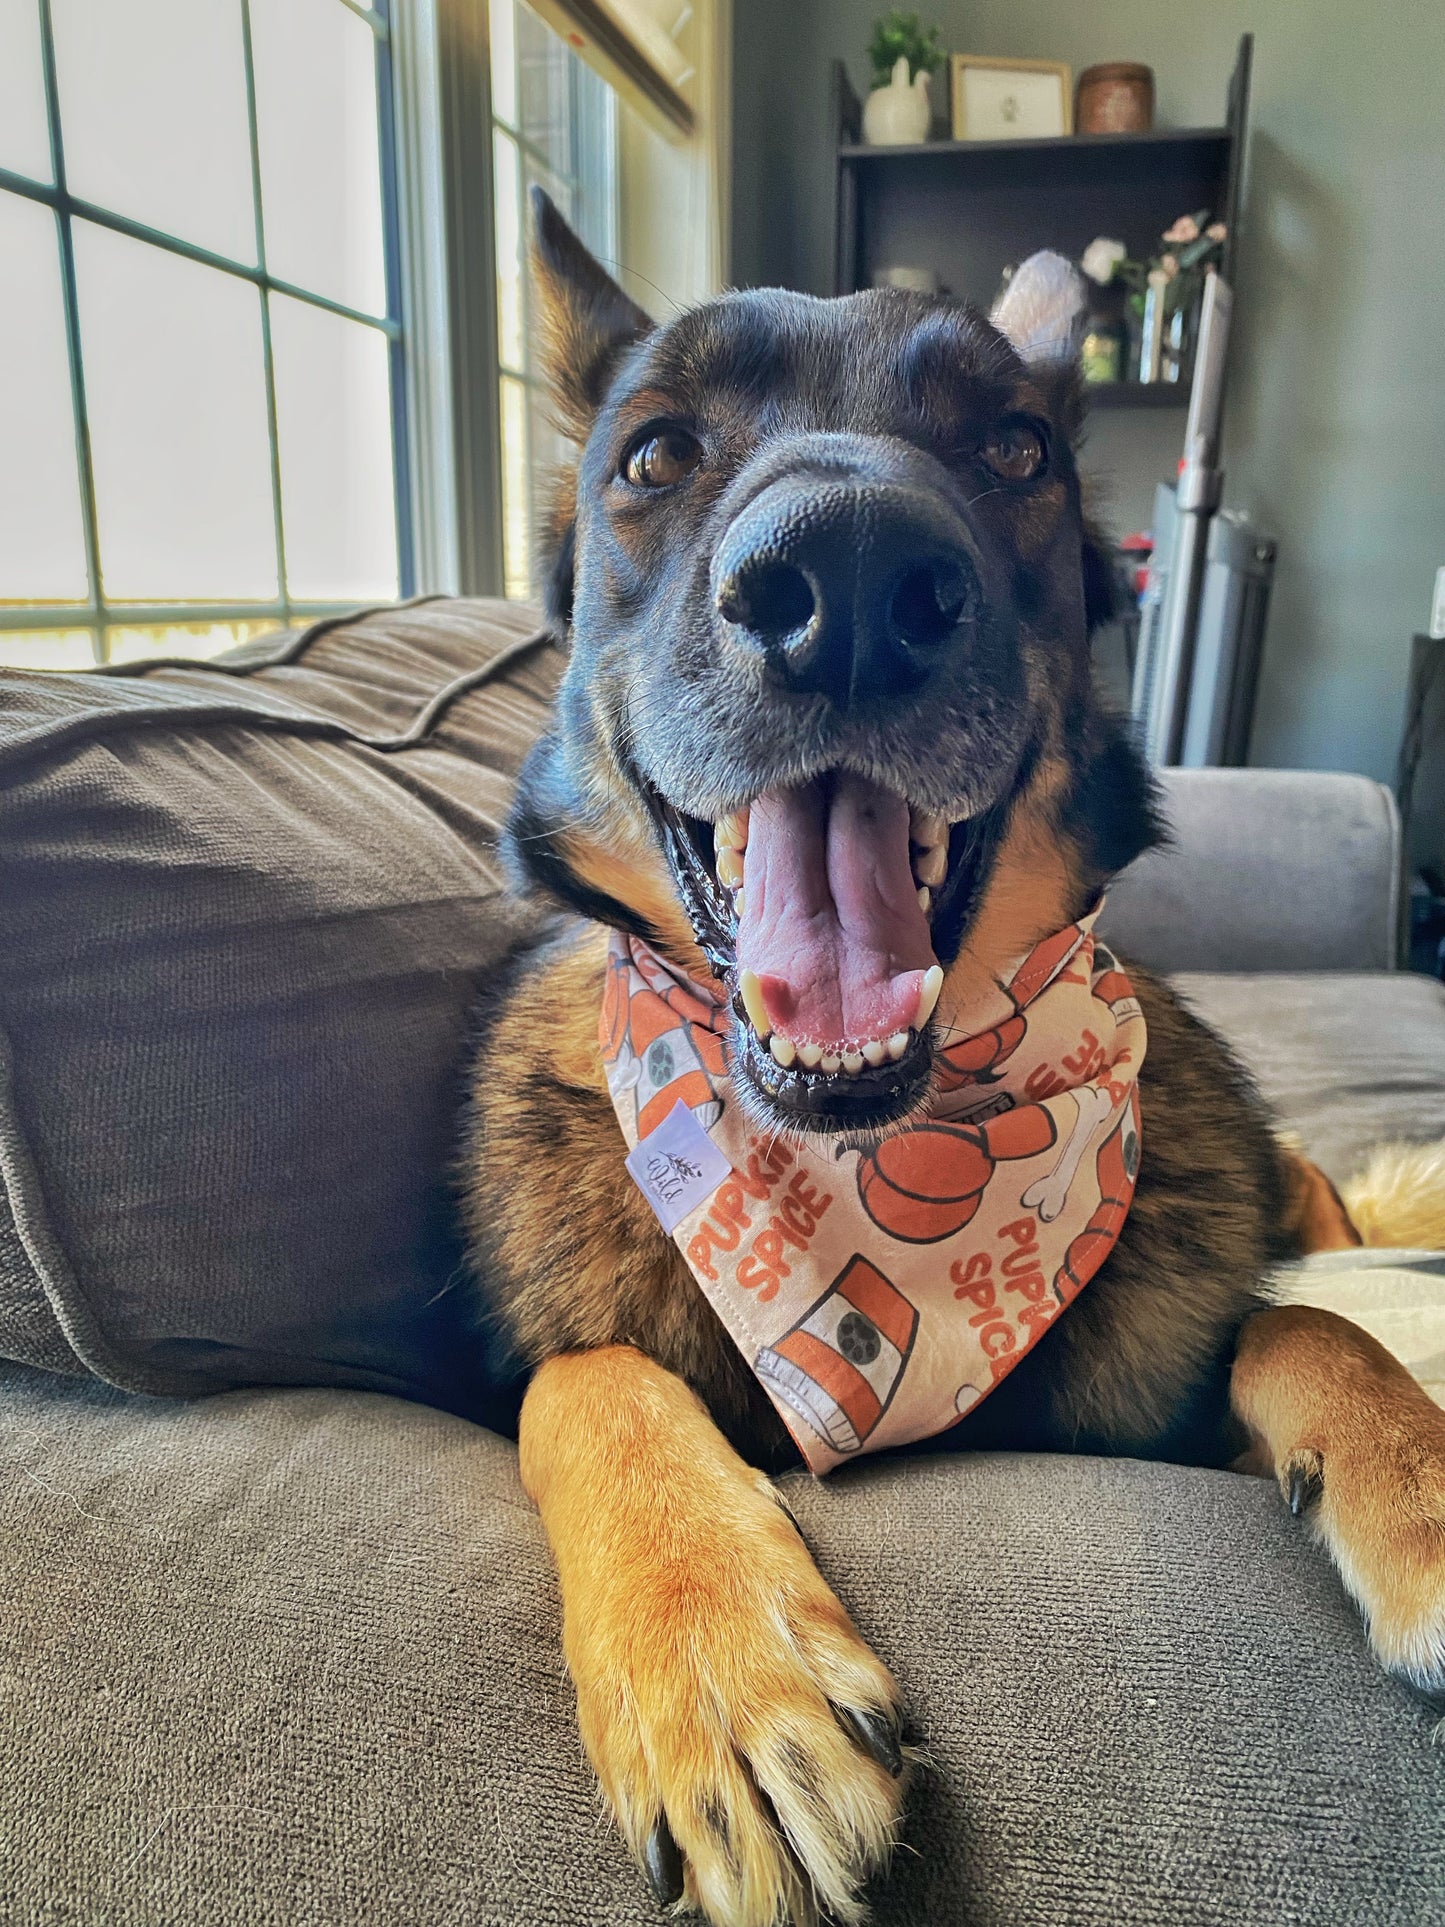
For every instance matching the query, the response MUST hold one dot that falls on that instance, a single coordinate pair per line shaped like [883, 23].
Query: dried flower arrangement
[1190, 248]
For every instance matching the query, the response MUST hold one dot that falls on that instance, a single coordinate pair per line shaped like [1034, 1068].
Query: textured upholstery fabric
[1269, 870]
[1349, 1061]
[239, 949]
[292, 1657]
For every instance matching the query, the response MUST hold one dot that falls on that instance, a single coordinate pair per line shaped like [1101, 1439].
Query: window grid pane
[153, 642]
[554, 124]
[24, 128]
[48, 649]
[33, 629]
[42, 535]
[176, 158]
[176, 401]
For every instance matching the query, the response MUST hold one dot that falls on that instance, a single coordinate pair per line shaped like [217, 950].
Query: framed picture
[1011, 100]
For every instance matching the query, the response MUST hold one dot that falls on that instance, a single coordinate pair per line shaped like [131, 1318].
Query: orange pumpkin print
[927, 1183]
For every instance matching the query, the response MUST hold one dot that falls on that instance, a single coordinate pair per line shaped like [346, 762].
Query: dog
[827, 764]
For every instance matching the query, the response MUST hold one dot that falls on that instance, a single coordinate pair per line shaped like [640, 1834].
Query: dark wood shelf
[965, 211]
[1066, 148]
[1137, 394]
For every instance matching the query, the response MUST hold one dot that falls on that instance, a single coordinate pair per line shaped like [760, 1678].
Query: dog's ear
[1040, 310]
[587, 321]
[1041, 313]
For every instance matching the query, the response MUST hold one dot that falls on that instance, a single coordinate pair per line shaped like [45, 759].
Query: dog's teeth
[729, 867]
[810, 1056]
[932, 867]
[925, 899]
[928, 995]
[897, 1044]
[875, 1050]
[830, 1063]
[926, 828]
[783, 1048]
[739, 903]
[751, 992]
[731, 832]
[852, 1062]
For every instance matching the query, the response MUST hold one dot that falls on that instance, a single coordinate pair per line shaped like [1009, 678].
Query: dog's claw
[877, 1736]
[1306, 1483]
[662, 1862]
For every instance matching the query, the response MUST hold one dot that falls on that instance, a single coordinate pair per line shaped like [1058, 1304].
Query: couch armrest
[1269, 870]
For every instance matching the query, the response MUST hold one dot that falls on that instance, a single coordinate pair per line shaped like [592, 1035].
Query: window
[635, 168]
[554, 123]
[201, 390]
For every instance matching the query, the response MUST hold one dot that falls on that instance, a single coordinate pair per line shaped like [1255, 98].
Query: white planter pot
[898, 115]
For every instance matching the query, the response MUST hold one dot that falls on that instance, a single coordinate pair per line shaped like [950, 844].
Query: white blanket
[1397, 1296]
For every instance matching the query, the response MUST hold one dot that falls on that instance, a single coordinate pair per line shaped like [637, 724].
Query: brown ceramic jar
[1115, 98]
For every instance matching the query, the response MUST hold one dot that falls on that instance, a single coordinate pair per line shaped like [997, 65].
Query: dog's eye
[662, 459]
[1015, 452]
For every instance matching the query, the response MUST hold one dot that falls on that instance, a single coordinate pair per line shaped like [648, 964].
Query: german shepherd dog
[818, 551]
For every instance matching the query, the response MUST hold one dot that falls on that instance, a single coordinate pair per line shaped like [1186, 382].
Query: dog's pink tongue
[831, 923]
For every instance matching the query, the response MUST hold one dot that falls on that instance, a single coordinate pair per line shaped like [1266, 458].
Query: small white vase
[898, 115]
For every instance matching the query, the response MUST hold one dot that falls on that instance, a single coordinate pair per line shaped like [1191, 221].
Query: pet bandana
[879, 1294]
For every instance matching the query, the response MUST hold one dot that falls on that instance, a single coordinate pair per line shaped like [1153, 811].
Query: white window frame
[98, 613]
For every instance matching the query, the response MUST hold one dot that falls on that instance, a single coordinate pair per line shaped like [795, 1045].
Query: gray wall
[1336, 427]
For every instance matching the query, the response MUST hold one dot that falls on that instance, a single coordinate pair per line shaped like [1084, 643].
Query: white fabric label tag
[677, 1167]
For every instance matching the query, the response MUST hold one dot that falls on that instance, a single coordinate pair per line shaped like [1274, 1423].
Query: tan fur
[707, 1652]
[1322, 1398]
[643, 884]
[577, 1257]
[1399, 1198]
[1316, 1214]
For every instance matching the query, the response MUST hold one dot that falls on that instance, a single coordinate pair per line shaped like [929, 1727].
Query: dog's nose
[849, 587]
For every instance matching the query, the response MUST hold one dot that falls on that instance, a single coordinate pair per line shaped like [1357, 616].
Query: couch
[288, 1652]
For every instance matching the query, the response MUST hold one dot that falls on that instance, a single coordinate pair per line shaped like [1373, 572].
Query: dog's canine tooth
[932, 866]
[874, 1051]
[897, 1044]
[751, 992]
[783, 1048]
[928, 995]
[852, 1062]
[925, 899]
[729, 866]
[810, 1056]
[731, 832]
[830, 1063]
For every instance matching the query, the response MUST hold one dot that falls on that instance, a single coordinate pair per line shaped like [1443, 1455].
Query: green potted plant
[903, 55]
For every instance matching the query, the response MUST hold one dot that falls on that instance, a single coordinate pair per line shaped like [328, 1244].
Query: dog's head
[828, 726]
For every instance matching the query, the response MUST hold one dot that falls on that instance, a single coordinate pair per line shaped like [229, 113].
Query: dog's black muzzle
[851, 572]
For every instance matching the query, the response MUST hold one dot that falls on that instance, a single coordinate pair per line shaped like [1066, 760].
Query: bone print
[1049, 1194]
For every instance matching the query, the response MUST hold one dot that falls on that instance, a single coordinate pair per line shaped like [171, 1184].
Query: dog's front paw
[1358, 1448]
[746, 1737]
[1376, 1498]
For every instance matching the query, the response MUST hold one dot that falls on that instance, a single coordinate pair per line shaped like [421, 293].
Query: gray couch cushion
[281, 1657]
[1270, 869]
[239, 951]
[1349, 1061]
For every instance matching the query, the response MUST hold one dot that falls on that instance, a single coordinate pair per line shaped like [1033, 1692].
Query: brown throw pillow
[244, 911]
